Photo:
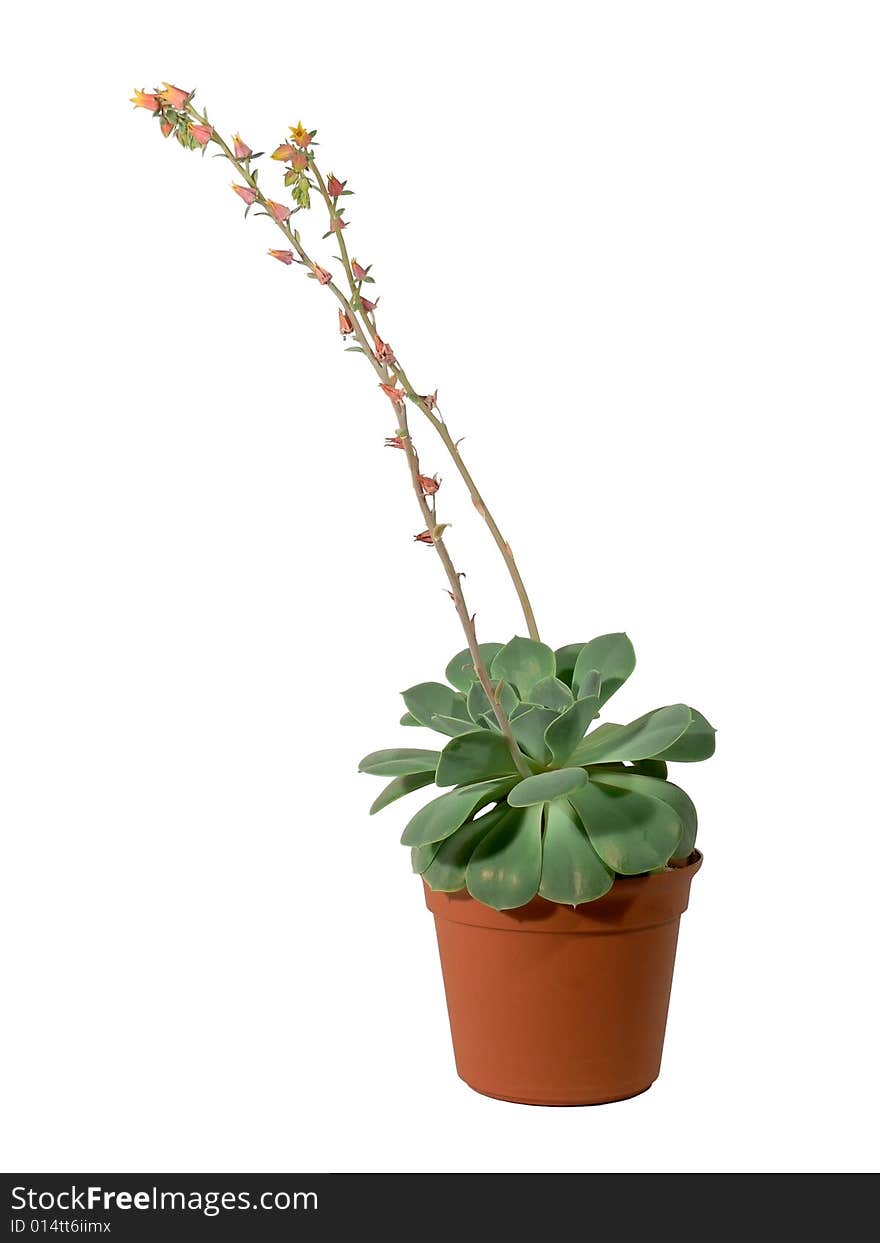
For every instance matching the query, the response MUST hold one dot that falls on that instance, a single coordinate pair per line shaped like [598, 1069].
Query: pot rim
[631, 904]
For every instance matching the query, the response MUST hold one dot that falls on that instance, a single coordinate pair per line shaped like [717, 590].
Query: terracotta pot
[551, 1005]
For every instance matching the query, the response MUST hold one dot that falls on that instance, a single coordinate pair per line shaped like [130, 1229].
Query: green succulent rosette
[597, 804]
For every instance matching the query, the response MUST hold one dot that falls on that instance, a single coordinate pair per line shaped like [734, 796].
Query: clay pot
[551, 1005]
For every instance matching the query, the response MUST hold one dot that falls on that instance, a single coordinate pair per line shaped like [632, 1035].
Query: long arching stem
[428, 510]
[397, 371]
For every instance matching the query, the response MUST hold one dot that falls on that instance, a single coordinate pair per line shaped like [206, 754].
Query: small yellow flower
[300, 135]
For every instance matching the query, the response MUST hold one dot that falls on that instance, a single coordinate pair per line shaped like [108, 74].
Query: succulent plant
[533, 802]
[596, 803]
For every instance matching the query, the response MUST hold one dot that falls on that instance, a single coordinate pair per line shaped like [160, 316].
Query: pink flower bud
[284, 152]
[384, 352]
[335, 186]
[246, 193]
[299, 161]
[277, 211]
[174, 97]
[323, 276]
[367, 304]
[357, 270]
[345, 324]
[240, 149]
[283, 256]
[424, 537]
[396, 394]
[202, 134]
[141, 99]
[429, 484]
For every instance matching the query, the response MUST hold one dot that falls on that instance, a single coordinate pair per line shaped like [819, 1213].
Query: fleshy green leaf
[642, 739]
[399, 787]
[505, 869]
[478, 704]
[666, 792]
[452, 726]
[422, 856]
[571, 871]
[447, 870]
[522, 663]
[529, 728]
[409, 719]
[399, 761]
[430, 699]
[443, 815]
[630, 832]
[591, 684]
[566, 659]
[564, 734]
[696, 743]
[652, 768]
[460, 670]
[551, 693]
[546, 786]
[601, 731]
[613, 656]
[474, 757]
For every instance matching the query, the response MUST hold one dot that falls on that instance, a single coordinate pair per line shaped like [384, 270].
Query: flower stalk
[194, 130]
[426, 404]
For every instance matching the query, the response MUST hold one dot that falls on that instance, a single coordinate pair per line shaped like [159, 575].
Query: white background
[637, 247]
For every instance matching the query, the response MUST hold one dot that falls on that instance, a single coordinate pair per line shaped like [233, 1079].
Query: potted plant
[556, 854]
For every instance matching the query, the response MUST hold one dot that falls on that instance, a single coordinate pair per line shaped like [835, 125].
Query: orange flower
[428, 484]
[277, 211]
[424, 537]
[141, 99]
[283, 256]
[300, 135]
[322, 275]
[284, 152]
[166, 127]
[335, 186]
[202, 134]
[359, 272]
[345, 324]
[174, 97]
[396, 394]
[384, 352]
[240, 149]
[246, 193]
[394, 442]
